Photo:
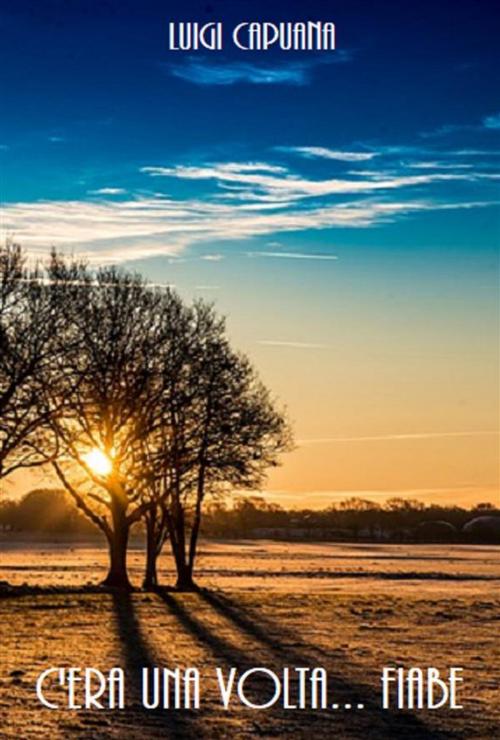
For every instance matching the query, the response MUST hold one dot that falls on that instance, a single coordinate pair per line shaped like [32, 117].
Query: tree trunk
[185, 576]
[195, 530]
[177, 542]
[150, 575]
[117, 575]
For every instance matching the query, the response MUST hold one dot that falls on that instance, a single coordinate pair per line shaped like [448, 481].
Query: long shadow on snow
[137, 654]
[373, 721]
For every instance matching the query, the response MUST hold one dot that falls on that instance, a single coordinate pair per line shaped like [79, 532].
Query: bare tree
[107, 401]
[220, 431]
[29, 320]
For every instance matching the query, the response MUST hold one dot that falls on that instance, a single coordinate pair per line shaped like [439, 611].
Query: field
[351, 609]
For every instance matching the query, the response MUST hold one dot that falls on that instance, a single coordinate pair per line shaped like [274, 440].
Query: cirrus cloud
[235, 201]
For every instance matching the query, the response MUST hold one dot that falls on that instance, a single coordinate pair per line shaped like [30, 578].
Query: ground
[351, 609]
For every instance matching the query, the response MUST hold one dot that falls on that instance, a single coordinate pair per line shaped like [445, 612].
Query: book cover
[249, 369]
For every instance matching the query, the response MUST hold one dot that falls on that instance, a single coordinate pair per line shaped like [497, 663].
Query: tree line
[45, 510]
[352, 519]
[134, 398]
[52, 511]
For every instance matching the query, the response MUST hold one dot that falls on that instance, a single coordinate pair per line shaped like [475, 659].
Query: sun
[98, 462]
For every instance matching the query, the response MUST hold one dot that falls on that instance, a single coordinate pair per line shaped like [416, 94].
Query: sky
[340, 208]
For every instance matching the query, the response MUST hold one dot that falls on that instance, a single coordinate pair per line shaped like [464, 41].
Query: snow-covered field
[349, 608]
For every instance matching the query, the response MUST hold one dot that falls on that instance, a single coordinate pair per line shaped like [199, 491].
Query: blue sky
[305, 193]
[96, 111]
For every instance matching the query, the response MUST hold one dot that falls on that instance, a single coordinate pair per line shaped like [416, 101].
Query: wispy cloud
[475, 153]
[325, 153]
[107, 191]
[460, 494]
[212, 257]
[202, 71]
[237, 201]
[436, 165]
[390, 437]
[492, 122]
[294, 255]
[293, 345]
[139, 228]
[447, 129]
[278, 183]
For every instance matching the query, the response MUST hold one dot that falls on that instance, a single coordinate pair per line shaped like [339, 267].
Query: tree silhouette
[151, 410]
[29, 321]
[220, 431]
[107, 397]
